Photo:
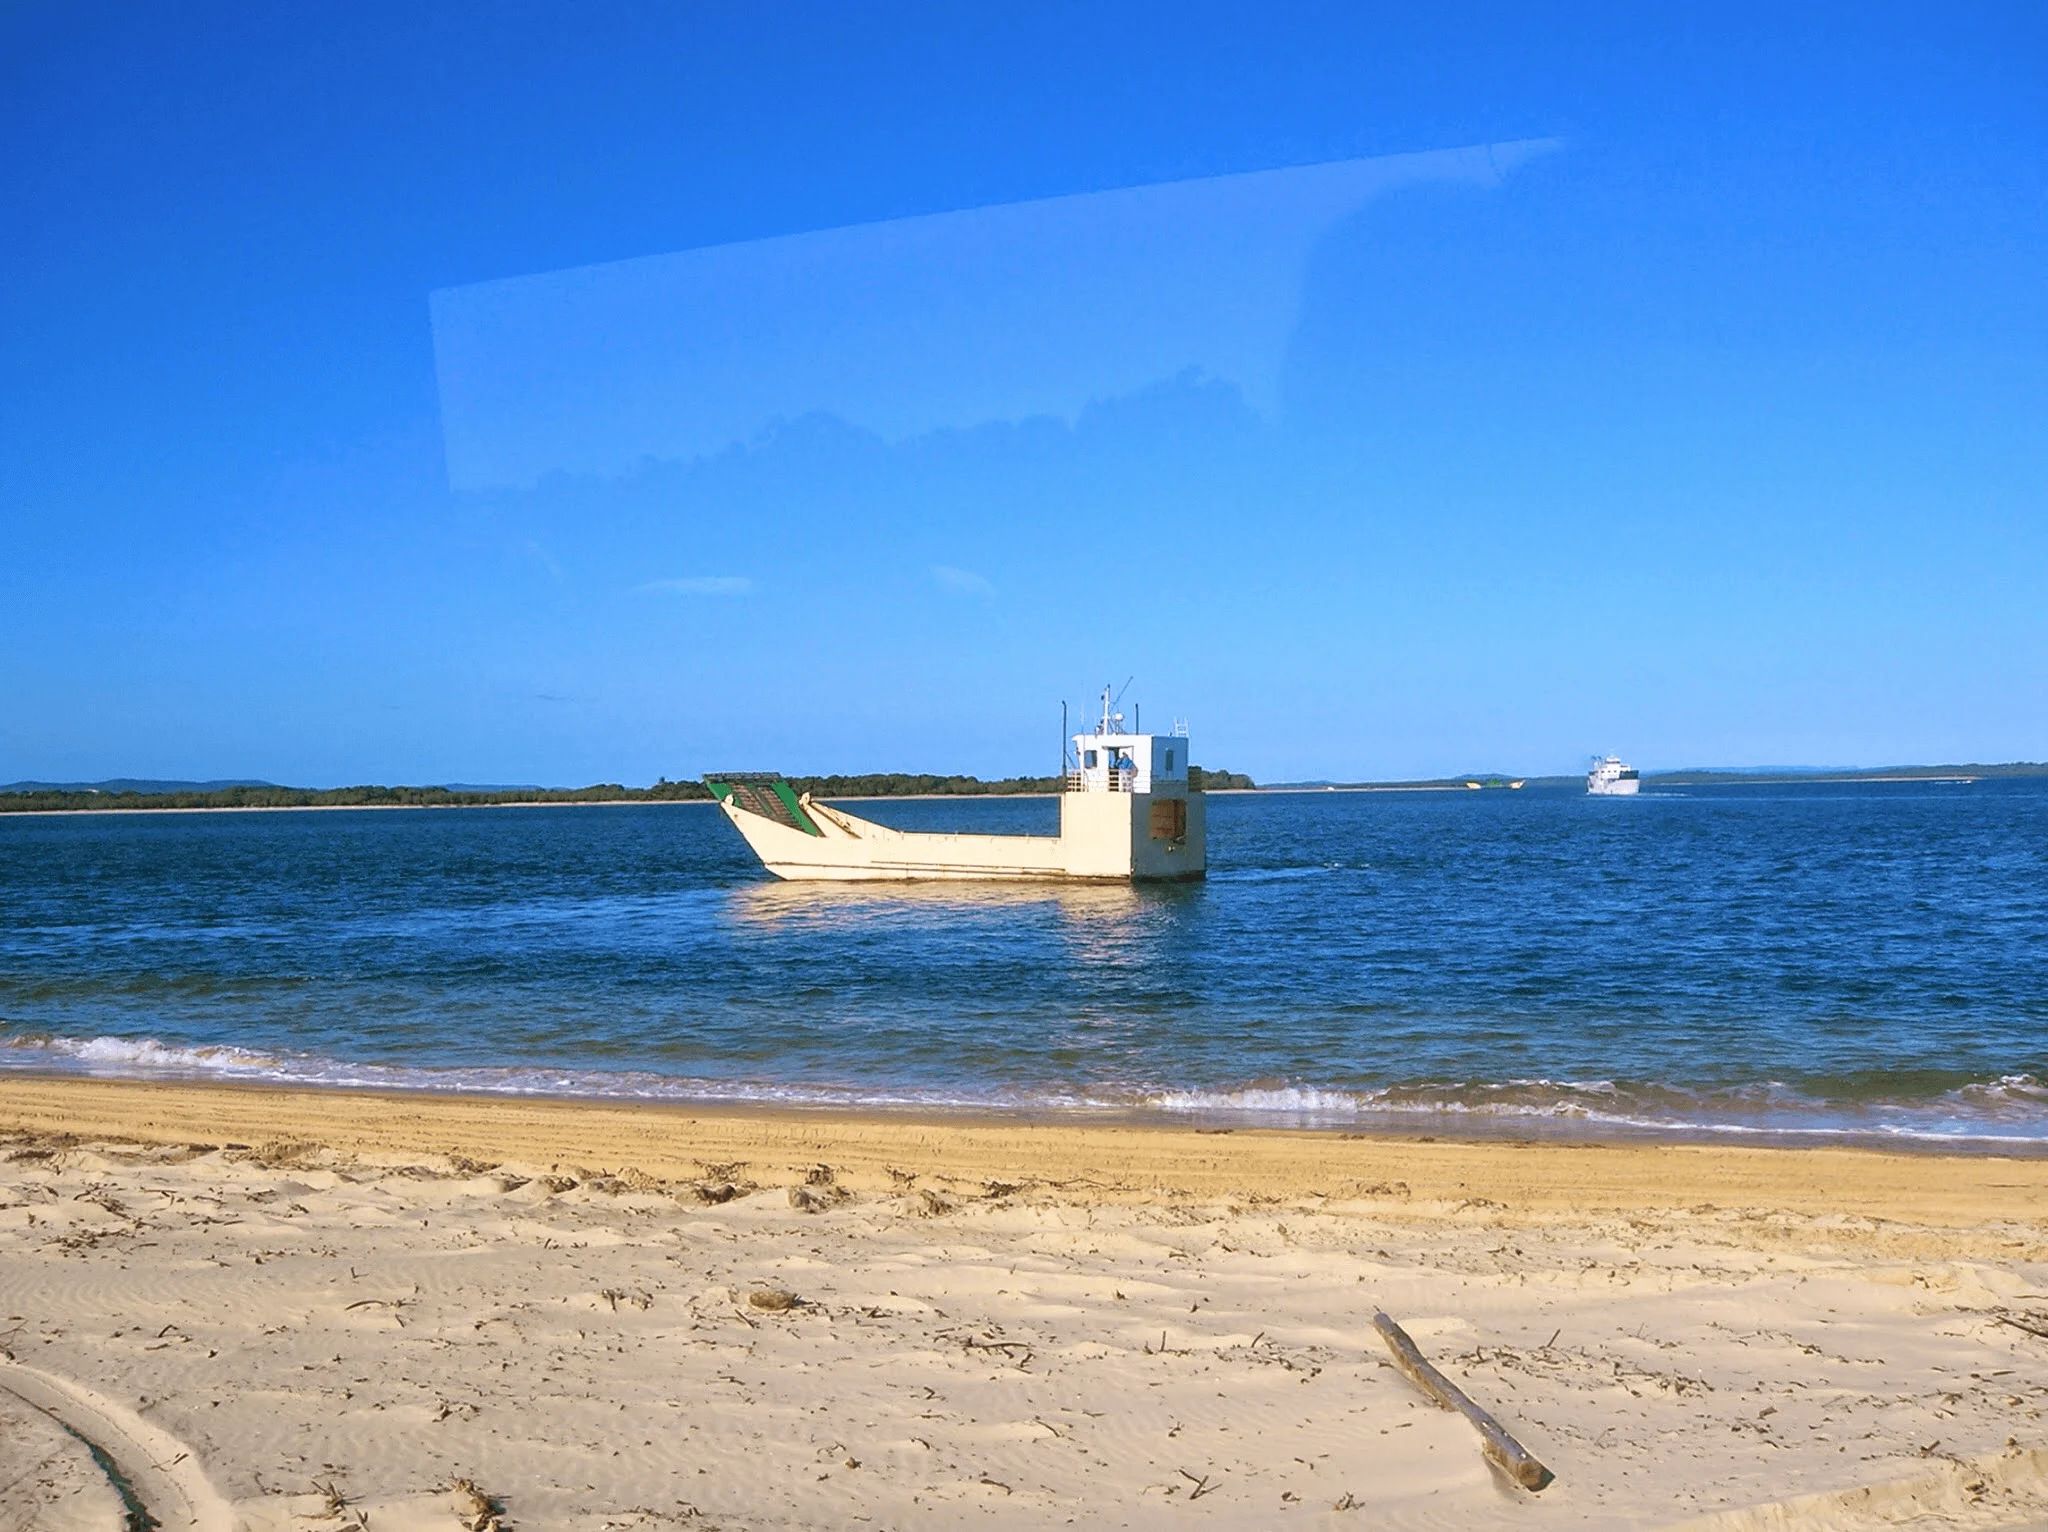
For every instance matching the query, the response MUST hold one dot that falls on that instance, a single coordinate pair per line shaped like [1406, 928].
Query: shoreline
[1558, 1125]
[1117, 1161]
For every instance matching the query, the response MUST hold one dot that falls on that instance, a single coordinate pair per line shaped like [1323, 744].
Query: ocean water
[1867, 960]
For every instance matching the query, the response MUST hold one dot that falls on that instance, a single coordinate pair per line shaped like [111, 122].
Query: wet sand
[283, 1308]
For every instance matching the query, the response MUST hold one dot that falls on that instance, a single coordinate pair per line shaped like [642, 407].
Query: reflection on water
[783, 903]
[1104, 927]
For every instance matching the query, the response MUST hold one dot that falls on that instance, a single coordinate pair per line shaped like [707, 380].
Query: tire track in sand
[159, 1479]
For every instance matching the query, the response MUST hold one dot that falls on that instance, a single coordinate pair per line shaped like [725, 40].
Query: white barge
[1127, 814]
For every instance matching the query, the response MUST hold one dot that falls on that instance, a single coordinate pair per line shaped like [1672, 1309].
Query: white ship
[1611, 779]
[1126, 814]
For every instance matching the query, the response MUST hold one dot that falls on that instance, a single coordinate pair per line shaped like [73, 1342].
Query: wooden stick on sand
[1501, 1449]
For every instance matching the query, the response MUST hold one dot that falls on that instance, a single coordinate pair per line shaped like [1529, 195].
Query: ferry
[1611, 779]
[1127, 814]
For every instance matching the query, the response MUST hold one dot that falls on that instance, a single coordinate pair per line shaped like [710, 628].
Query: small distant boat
[1612, 779]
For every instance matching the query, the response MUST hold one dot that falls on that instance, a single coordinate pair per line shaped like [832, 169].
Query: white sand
[262, 1327]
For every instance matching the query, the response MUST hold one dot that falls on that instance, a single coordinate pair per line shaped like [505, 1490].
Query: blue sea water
[1865, 959]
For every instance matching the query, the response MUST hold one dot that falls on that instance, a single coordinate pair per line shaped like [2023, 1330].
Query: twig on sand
[1009, 1350]
[1501, 1449]
[1202, 1486]
[334, 1506]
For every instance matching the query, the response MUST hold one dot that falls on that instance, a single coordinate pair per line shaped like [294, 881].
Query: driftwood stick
[1501, 1449]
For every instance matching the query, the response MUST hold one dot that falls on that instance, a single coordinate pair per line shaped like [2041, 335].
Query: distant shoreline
[367, 808]
[585, 803]
[32, 798]
[1707, 776]
[442, 798]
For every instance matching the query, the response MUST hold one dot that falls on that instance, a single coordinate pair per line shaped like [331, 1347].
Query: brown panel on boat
[1169, 818]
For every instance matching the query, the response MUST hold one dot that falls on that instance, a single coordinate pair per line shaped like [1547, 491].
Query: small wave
[2023, 1089]
[1273, 874]
[148, 1053]
[1288, 1100]
[146, 1057]
[2010, 1110]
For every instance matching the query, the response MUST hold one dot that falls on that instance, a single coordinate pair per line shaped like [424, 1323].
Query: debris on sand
[815, 1199]
[773, 1300]
[334, 1506]
[720, 1183]
[279, 1154]
[477, 1511]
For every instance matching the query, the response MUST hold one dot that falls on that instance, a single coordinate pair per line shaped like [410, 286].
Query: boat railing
[1116, 779]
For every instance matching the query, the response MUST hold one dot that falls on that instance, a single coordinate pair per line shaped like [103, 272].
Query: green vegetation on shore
[346, 797]
[910, 784]
[890, 784]
[898, 784]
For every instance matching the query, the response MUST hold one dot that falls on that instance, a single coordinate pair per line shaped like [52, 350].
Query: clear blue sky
[1713, 432]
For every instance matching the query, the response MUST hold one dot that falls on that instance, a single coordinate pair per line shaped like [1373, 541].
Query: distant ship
[1127, 814]
[1611, 779]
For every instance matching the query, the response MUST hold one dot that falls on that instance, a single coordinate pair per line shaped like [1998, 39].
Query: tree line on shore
[887, 784]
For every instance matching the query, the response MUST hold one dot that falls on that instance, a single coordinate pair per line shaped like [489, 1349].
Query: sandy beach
[274, 1309]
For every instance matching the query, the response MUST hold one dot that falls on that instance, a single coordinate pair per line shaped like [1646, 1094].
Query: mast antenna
[1110, 706]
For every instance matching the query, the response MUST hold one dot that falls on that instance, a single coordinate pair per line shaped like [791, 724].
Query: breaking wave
[2009, 1111]
[2012, 1109]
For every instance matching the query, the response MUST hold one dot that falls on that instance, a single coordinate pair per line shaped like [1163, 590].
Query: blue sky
[1711, 434]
